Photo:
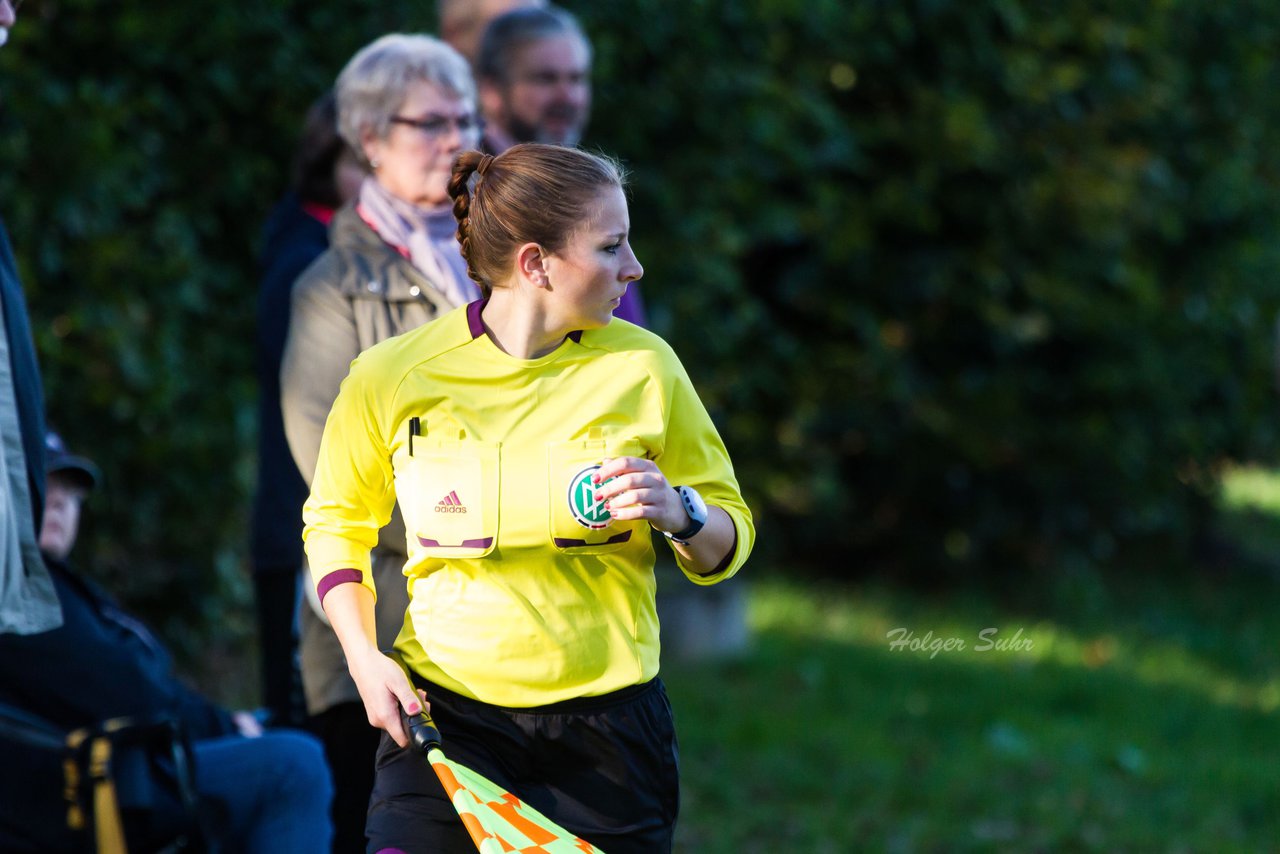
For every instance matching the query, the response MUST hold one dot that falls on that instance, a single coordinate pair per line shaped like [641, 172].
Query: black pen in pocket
[415, 429]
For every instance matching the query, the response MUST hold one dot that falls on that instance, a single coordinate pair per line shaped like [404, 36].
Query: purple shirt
[631, 309]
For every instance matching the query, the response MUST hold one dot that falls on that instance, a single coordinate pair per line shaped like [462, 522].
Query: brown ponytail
[530, 193]
[468, 162]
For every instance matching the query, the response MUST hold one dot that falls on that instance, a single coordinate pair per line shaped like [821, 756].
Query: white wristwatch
[697, 510]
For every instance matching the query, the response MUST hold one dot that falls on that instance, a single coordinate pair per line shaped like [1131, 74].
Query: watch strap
[695, 524]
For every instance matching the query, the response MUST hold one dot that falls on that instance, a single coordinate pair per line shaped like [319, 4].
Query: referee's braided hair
[530, 193]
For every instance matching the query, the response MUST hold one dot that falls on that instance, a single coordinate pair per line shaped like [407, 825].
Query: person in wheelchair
[270, 790]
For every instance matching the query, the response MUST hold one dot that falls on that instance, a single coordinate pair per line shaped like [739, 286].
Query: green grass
[1142, 718]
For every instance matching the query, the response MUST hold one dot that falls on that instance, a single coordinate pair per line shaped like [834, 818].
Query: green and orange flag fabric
[497, 820]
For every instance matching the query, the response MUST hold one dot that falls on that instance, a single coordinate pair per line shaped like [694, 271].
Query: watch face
[694, 504]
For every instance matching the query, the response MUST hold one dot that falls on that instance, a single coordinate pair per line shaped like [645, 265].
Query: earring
[374, 162]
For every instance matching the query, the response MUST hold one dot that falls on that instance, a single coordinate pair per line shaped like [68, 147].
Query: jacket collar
[377, 271]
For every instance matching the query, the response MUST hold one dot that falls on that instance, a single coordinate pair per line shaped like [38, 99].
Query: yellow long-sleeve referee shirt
[523, 591]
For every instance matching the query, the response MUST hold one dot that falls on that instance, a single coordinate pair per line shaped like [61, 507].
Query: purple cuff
[333, 579]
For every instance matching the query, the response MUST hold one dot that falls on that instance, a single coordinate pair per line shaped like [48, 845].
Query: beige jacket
[358, 293]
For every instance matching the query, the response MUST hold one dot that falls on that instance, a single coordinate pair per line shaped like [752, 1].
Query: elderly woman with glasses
[407, 107]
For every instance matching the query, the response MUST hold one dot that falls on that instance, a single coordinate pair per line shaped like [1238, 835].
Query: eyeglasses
[437, 126]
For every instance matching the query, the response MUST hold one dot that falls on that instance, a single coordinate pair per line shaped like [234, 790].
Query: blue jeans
[276, 790]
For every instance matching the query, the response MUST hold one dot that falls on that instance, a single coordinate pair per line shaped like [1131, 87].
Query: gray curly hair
[375, 83]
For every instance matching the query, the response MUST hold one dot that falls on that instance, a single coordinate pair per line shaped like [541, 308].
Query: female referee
[531, 443]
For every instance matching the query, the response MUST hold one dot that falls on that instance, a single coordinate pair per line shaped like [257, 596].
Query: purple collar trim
[473, 317]
[476, 325]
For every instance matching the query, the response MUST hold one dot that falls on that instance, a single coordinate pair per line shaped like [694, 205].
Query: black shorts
[604, 768]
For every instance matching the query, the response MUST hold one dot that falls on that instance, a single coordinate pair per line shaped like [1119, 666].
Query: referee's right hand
[385, 690]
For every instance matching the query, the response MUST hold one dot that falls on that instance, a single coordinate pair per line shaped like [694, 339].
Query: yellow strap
[106, 812]
[71, 777]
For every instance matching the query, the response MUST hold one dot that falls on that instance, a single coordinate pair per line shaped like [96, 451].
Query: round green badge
[583, 504]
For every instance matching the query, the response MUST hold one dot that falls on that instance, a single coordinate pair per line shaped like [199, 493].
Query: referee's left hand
[635, 488]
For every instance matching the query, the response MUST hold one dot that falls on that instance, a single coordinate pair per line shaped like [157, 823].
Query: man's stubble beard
[522, 131]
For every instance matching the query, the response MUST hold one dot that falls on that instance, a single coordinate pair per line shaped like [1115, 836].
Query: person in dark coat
[272, 787]
[325, 174]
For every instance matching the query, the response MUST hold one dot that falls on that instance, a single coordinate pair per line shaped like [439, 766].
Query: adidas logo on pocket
[451, 504]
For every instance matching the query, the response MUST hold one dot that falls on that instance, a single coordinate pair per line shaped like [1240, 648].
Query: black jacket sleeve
[101, 663]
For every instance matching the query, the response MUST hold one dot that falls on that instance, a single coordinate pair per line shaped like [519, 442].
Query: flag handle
[421, 730]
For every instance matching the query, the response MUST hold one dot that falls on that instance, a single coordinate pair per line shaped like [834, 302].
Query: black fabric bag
[124, 785]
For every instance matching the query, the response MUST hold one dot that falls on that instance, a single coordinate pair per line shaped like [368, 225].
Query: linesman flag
[497, 820]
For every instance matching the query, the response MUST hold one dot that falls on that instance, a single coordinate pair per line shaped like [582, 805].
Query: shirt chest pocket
[577, 522]
[448, 494]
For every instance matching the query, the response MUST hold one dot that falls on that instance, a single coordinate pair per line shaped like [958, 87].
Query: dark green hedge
[968, 285]
[973, 286]
[143, 146]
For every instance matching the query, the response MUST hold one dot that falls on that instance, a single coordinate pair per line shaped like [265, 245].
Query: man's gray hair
[518, 27]
[374, 84]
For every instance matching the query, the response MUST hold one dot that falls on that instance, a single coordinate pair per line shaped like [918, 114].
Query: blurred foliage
[969, 286]
[142, 148]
